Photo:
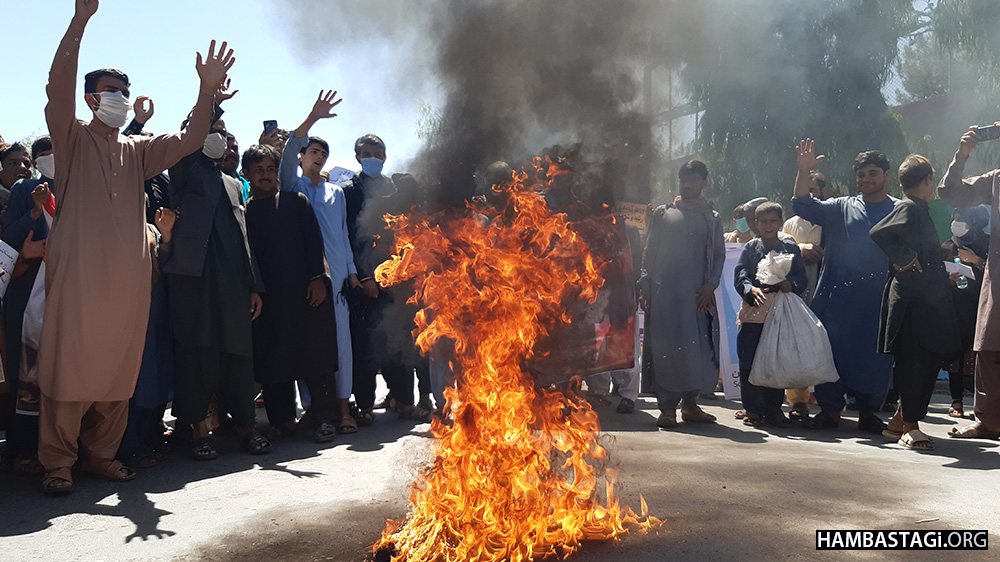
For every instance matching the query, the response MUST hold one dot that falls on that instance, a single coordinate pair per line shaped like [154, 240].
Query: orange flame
[512, 478]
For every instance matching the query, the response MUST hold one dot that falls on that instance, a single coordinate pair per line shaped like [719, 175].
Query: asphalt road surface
[725, 491]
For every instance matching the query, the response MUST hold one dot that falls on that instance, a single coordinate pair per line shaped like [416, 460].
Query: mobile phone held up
[988, 133]
[270, 126]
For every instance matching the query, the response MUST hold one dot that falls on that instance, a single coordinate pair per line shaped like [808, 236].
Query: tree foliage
[769, 74]
[927, 69]
[972, 27]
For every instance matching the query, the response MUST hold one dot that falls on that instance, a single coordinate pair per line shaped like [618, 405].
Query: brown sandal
[28, 466]
[348, 425]
[112, 471]
[53, 477]
[697, 416]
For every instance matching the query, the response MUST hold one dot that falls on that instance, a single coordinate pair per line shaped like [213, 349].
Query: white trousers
[345, 355]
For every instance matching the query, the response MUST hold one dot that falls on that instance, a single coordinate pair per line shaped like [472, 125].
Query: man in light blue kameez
[327, 199]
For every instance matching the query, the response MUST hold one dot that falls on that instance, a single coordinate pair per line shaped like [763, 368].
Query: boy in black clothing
[763, 405]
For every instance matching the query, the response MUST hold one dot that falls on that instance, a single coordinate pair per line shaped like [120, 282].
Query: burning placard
[513, 476]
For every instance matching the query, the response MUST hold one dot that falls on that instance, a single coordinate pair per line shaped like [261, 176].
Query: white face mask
[959, 229]
[215, 145]
[112, 109]
[46, 165]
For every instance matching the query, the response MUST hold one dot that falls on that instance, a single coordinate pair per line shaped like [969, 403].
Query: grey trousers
[667, 400]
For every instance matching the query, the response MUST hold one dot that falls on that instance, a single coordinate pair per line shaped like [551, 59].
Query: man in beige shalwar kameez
[98, 276]
[962, 194]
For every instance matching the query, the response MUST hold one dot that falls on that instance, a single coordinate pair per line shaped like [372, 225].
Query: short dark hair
[41, 144]
[694, 167]
[871, 157]
[769, 207]
[316, 140]
[819, 178]
[91, 79]
[258, 153]
[739, 212]
[368, 139]
[14, 148]
[914, 170]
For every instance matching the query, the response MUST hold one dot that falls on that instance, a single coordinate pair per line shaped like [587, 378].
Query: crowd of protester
[170, 271]
[873, 270]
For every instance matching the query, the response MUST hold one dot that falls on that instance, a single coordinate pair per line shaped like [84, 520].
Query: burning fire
[512, 478]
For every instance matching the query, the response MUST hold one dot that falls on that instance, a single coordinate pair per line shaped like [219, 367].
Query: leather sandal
[973, 431]
[255, 444]
[821, 420]
[54, 477]
[697, 416]
[667, 419]
[114, 471]
[348, 425]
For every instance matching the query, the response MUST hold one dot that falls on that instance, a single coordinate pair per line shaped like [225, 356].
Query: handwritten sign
[8, 257]
[637, 215]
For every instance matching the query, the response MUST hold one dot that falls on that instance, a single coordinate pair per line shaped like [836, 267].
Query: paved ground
[727, 492]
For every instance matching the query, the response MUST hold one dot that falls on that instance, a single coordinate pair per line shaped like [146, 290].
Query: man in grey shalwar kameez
[681, 267]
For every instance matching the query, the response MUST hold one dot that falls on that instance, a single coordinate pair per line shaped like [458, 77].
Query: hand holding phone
[269, 126]
[988, 133]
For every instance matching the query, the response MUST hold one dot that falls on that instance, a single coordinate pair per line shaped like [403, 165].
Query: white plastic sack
[794, 350]
[774, 268]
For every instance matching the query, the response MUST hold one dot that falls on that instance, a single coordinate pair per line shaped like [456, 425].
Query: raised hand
[968, 143]
[143, 108]
[273, 139]
[213, 69]
[86, 8]
[323, 108]
[222, 93]
[807, 158]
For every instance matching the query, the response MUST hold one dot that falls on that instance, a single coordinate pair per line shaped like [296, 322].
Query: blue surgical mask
[372, 167]
[741, 225]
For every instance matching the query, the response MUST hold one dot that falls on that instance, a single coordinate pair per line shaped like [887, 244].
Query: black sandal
[203, 450]
[778, 420]
[365, 418]
[871, 424]
[255, 444]
[821, 420]
[957, 409]
[326, 432]
[752, 420]
[799, 412]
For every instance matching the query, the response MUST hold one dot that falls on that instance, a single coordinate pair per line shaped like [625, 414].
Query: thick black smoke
[518, 77]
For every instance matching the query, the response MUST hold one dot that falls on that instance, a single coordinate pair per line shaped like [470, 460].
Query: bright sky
[154, 42]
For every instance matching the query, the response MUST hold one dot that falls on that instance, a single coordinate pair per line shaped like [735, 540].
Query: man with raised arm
[848, 295]
[964, 193]
[328, 203]
[98, 274]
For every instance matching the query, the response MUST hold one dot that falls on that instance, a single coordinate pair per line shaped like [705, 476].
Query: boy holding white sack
[767, 265]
